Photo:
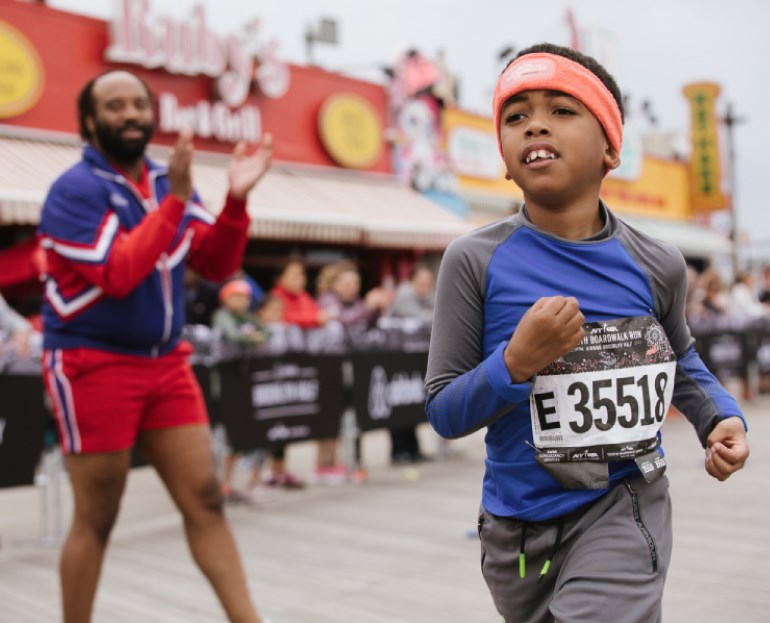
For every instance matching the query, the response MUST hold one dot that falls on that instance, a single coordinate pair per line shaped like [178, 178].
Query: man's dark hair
[590, 63]
[86, 102]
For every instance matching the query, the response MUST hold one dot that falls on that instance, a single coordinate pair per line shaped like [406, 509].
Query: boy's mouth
[536, 153]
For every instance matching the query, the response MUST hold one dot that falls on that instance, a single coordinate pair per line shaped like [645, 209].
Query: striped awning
[291, 203]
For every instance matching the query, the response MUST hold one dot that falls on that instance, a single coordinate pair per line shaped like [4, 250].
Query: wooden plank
[400, 548]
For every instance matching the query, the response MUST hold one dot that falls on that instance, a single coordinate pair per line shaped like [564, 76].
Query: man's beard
[120, 149]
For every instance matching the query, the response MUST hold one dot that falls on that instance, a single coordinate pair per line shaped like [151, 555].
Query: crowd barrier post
[49, 483]
[349, 431]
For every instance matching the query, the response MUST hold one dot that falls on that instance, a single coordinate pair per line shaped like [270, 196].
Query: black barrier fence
[733, 349]
[266, 398]
[23, 422]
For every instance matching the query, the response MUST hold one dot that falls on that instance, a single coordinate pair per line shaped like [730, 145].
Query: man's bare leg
[98, 481]
[184, 460]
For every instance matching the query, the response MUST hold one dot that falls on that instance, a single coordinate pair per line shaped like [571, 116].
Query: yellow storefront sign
[350, 131]
[474, 156]
[705, 163]
[662, 190]
[21, 73]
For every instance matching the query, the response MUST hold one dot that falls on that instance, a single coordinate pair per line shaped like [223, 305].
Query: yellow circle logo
[21, 73]
[351, 131]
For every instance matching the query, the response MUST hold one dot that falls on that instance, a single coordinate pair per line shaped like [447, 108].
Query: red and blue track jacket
[115, 278]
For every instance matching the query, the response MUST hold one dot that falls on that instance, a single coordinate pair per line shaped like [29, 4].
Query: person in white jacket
[743, 300]
[16, 327]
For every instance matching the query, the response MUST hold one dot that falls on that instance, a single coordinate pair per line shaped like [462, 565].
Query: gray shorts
[608, 560]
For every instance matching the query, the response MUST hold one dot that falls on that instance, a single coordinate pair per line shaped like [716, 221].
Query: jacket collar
[97, 160]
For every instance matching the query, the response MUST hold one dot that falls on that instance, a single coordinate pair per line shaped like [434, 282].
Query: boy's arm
[465, 393]
[726, 448]
[714, 413]
[698, 394]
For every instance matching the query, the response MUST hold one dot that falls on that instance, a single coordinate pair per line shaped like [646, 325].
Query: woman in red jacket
[299, 307]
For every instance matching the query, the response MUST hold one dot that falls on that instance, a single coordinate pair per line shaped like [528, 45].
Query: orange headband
[551, 72]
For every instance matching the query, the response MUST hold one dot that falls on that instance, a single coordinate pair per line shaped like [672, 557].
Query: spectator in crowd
[694, 293]
[302, 310]
[415, 298]
[117, 229]
[17, 328]
[323, 282]
[764, 295]
[201, 298]
[283, 337]
[343, 303]
[713, 303]
[299, 308]
[743, 300]
[234, 320]
[238, 327]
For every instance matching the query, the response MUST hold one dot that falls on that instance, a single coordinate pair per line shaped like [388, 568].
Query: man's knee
[99, 519]
[208, 497]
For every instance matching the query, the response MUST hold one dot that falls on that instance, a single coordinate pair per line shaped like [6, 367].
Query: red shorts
[103, 400]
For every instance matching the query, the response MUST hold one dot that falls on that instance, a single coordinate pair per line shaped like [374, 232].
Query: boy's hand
[552, 327]
[179, 167]
[245, 171]
[726, 448]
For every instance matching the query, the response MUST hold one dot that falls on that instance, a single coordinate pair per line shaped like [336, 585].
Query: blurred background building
[385, 173]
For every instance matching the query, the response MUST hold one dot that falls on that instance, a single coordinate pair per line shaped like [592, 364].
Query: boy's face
[238, 303]
[553, 147]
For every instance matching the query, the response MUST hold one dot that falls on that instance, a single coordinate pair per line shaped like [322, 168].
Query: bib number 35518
[624, 401]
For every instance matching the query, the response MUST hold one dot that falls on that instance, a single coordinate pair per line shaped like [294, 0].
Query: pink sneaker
[286, 481]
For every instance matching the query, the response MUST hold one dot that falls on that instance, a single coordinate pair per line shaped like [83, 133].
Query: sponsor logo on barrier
[402, 389]
[281, 432]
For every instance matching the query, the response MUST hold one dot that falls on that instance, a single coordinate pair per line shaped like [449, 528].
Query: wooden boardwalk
[398, 549]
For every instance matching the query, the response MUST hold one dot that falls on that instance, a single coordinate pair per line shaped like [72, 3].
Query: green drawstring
[522, 555]
[547, 565]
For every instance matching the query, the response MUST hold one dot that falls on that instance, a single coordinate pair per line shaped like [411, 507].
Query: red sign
[73, 49]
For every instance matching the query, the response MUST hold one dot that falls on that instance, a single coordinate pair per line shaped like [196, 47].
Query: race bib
[606, 399]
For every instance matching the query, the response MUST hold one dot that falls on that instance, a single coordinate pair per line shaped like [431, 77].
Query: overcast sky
[653, 48]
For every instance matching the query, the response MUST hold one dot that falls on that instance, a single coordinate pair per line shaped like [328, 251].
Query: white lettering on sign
[210, 120]
[188, 47]
[284, 392]
[2, 430]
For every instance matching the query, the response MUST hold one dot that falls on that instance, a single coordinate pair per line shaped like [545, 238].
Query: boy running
[561, 329]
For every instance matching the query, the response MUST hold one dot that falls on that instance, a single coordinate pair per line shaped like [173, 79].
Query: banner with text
[268, 401]
[389, 389]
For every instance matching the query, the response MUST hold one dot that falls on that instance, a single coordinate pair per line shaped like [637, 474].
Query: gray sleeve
[666, 273]
[698, 394]
[456, 342]
[10, 320]
[458, 324]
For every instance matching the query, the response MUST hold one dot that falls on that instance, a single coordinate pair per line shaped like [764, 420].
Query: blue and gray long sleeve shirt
[487, 281]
